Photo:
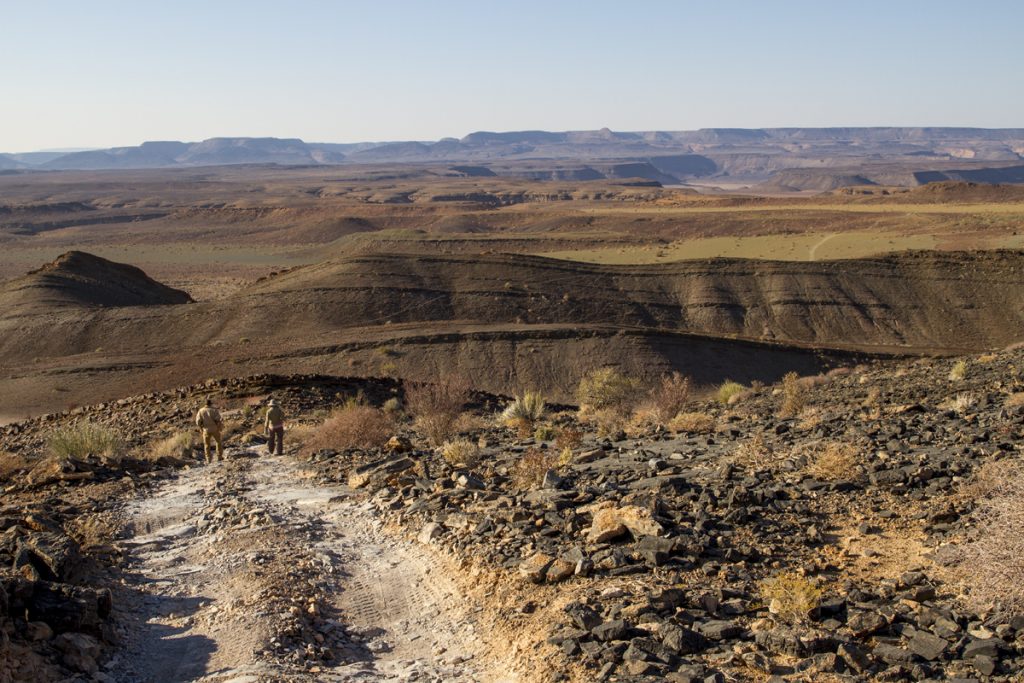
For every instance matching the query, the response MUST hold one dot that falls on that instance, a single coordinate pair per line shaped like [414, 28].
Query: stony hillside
[823, 529]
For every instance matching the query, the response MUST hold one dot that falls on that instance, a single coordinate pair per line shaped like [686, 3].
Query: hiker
[273, 426]
[209, 421]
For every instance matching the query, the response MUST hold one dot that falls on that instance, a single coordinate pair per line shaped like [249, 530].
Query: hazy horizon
[121, 73]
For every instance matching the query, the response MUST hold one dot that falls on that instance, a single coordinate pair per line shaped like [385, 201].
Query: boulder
[611, 522]
[927, 646]
[398, 444]
[430, 531]
[79, 651]
[560, 570]
[377, 473]
[69, 608]
[535, 567]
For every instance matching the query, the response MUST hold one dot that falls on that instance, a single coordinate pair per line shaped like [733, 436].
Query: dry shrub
[84, 439]
[607, 388]
[961, 403]
[353, 426]
[528, 472]
[436, 407]
[809, 418]
[471, 423]
[643, 420]
[668, 397]
[959, 370]
[392, 406]
[693, 423]
[176, 447]
[794, 395]
[791, 596]
[834, 461]
[990, 564]
[607, 421]
[753, 453]
[568, 438]
[730, 392]
[461, 453]
[300, 434]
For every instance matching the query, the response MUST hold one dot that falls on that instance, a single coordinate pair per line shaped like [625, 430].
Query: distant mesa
[787, 159]
[81, 280]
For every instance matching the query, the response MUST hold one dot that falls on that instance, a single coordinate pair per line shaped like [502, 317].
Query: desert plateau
[477, 389]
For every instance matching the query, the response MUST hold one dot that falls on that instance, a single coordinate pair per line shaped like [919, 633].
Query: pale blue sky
[105, 73]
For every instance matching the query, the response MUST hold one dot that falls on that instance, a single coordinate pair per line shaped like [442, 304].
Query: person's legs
[206, 446]
[280, 439]
[220, 447]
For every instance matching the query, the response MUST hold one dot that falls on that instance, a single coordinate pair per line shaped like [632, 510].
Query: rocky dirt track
[245, 571]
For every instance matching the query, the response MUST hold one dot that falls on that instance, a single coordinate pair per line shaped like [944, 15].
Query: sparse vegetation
[524, 412]
[85, 439]
[794, 395]
[669, 396]
[544, 432]
[692, 423]
[461, 453]
[959, 370]
[353, 426]
[791, 596]
[528, 472]
[990, 563]
[834, 461]
[962, 403]
[177, 446]
[728, 391]
[753, 453]
[607, 388]
[568, 438]
[436, 407]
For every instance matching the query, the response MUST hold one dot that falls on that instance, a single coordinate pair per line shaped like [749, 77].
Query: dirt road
[247, 571]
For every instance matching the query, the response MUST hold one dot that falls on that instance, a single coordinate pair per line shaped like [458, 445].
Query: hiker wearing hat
[273, 425]
[211, 424]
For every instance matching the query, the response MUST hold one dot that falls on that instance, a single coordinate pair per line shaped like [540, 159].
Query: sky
[110, 73]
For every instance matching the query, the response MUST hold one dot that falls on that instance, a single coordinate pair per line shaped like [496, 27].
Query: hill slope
[80, 280]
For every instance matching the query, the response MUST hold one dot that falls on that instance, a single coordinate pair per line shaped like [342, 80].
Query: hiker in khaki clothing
[273, 425]
[208, 420]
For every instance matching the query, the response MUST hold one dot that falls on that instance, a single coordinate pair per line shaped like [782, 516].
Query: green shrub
[524, 412]
[728, 389]
[545, 432]
[83, 439]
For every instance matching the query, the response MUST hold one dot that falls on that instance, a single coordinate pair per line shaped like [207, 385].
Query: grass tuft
[84, 439]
